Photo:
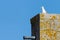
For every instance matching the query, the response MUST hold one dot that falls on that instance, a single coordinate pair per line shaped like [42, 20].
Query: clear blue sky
[15, 16]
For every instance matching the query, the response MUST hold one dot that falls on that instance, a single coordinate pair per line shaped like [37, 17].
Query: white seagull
[43, 10]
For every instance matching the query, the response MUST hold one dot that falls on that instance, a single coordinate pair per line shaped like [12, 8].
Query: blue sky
[15, 16]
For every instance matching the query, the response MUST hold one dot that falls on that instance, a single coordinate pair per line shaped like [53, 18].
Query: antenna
[43, 10]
